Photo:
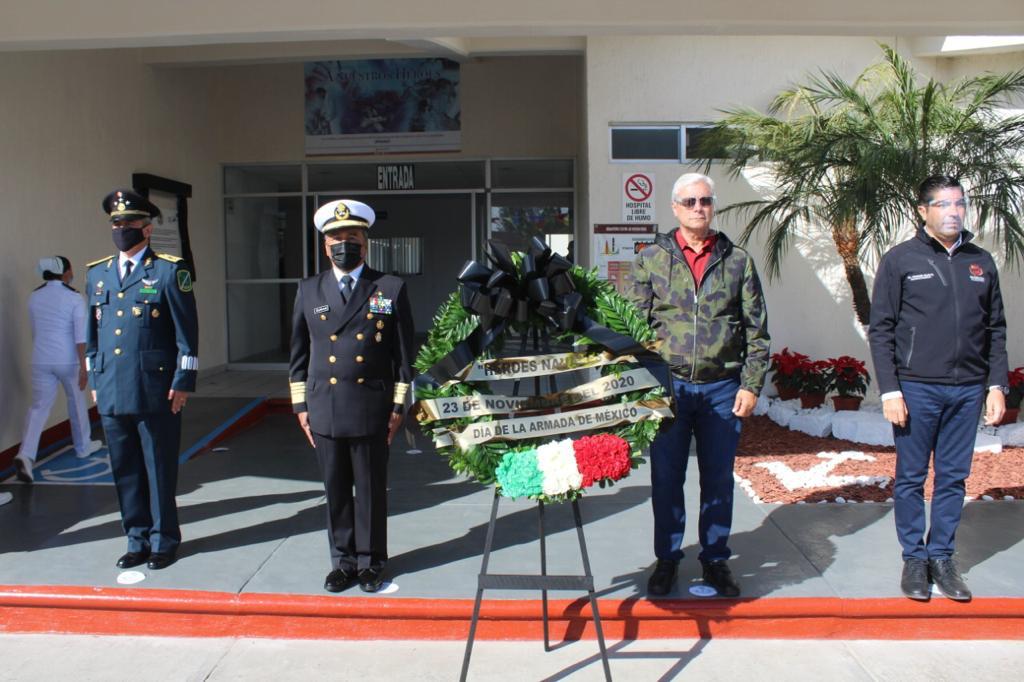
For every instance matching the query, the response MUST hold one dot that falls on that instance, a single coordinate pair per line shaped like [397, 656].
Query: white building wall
[689, 80]
[74, 126]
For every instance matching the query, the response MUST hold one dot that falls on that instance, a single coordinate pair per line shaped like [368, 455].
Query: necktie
[127, 269]
[346, 288]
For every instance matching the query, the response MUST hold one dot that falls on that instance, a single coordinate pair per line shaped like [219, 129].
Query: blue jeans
[704, 411]
[943, 419]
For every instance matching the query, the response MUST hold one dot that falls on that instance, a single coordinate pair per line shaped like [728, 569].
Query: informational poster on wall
[615, 250]
[166, 237]
[379, 106]
[638, 198]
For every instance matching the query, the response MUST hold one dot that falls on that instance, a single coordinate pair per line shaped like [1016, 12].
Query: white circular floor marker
[703, 591]
[130, 577]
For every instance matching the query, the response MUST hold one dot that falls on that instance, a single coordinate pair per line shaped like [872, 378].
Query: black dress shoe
[664, 577]
[158, 561]
[371, 579]
[947, 578]
[339, 579]
[133, 559]
[914, 582]
[718, 576]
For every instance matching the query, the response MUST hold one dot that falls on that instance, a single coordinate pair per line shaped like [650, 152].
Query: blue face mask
[347, 255]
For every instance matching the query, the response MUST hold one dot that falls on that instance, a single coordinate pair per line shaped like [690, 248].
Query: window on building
[659, 143]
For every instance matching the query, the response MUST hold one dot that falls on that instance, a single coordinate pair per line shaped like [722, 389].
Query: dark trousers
[703, 411]
[357, 528]
[144, 461]
[944, 420]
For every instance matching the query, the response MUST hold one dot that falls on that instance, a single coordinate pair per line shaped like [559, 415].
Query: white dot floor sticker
[389, 588]
[130, 577]
[703, 591]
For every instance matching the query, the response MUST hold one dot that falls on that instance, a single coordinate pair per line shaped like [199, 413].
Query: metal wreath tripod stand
[542, 582]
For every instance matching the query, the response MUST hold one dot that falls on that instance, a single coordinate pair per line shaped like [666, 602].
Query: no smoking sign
[637, 198]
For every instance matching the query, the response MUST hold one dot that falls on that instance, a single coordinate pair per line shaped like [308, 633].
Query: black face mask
[127, 238]
[347, 255]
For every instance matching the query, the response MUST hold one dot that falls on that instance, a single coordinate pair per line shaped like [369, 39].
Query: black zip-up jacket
[938, 318]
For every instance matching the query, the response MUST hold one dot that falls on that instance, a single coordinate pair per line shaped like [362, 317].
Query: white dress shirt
[338, 274]
[122, 259]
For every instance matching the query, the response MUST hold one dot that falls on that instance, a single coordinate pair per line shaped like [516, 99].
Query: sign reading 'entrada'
[397, 176]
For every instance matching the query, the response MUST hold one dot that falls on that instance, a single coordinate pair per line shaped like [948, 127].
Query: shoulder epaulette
[169, 257]
[69, 287]
[40, 286]
[101, 260]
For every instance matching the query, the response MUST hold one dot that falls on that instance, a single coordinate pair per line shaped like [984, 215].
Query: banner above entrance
[382, 106]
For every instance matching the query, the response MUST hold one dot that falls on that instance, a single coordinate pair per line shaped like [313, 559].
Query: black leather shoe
[718, 576]
[947, 578]
[371, 579]
[23, 470]
[664, 577]
[133, 559]
[339, 580]
[914, 582]
[158, 561]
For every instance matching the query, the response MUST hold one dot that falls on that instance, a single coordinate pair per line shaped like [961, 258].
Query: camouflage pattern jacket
[712, 330]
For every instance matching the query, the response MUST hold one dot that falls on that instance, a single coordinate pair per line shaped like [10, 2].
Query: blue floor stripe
[208, 438]
[44, 453]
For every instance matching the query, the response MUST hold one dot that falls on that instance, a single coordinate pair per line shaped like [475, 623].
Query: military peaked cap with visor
[343, 213]
[126, 204]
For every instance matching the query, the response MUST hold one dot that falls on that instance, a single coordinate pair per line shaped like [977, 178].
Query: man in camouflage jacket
[703, 296]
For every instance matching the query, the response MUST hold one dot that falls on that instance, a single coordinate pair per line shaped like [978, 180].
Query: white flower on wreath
[557, 461]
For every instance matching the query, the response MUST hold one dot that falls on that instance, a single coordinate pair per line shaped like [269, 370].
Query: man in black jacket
[351, 365]
[938, 341]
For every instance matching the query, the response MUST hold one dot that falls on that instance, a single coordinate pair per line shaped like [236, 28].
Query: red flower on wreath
[601, 457]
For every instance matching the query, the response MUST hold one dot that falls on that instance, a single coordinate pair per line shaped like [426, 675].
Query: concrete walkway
[253, 521]
[31, 657]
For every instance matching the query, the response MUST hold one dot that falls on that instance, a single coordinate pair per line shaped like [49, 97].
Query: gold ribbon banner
[481, 404]
[557, 424]
[538, 365]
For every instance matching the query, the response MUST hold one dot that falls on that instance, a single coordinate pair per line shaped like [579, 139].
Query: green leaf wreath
[453, 324]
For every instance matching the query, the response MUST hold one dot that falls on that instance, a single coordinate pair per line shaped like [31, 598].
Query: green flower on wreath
[518, 474]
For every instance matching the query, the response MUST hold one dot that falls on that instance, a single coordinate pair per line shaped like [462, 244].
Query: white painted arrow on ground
[819, 476]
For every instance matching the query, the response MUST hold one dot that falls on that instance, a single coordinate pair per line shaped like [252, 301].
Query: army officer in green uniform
[141, 354]
[351, 365]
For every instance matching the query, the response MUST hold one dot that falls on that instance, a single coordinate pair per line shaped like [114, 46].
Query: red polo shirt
[697, 260]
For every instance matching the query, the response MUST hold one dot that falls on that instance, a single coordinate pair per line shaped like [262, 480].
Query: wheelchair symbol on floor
[93, 469]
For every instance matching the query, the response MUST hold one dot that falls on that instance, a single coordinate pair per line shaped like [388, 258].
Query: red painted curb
[183, 613]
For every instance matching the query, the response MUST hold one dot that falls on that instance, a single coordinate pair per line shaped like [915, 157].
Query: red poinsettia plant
[815, 376]
[787, 367]
[848, 376]
[1016, 393]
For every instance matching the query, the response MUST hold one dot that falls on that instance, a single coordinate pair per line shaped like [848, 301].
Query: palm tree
[846, 158]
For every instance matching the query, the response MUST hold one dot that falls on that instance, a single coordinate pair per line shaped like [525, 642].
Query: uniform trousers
[45, 379]
[357, 528]
[703, 411]
[941, 419]
[144, 459]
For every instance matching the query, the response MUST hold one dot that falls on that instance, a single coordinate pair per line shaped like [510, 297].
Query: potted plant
[814, 380]
[1013, 398]
[848, 377]
[786, 366]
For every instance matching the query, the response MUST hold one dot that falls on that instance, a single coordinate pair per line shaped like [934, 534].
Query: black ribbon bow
[503, 294]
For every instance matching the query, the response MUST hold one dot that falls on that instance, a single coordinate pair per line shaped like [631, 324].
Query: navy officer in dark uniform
[351, 366]
[141, 354]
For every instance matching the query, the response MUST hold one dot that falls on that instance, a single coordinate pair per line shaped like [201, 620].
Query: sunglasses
[690, 202]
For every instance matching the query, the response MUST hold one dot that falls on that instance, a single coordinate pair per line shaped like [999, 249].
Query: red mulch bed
[762, 440]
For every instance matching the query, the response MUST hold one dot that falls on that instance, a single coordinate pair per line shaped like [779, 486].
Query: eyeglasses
[690, 202]
[942, 205]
